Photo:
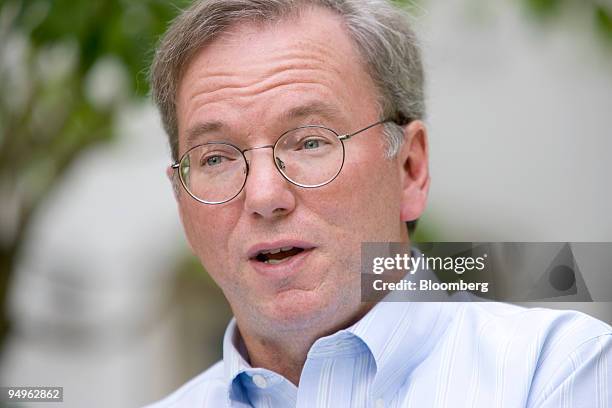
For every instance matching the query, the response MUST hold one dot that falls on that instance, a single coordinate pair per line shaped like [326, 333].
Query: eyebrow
[200, 129]
[316, 108]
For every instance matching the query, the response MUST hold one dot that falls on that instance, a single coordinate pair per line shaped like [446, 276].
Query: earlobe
[414, 160]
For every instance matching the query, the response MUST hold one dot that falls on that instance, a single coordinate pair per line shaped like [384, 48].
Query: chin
[294, 309]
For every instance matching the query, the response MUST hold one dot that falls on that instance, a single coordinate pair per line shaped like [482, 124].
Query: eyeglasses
[308, 156]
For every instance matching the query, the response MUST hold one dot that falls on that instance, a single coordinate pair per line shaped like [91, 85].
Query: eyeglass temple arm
[349, 135]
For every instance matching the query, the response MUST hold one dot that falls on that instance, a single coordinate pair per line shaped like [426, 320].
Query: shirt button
[260, 381]
[380, 403]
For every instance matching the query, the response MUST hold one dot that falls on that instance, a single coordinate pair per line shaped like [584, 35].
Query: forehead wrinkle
[320, 103]
[297, 80]
[277, 51]
[251, 81]
[303, 56]
[248, 95]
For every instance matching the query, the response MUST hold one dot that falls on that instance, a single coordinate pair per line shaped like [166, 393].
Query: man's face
[256, 82]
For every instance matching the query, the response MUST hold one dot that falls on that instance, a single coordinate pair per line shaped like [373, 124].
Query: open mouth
[278, 255]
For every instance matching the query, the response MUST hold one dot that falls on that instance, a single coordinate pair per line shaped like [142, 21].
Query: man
[296, 132]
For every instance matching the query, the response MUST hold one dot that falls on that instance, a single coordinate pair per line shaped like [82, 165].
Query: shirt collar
[234, 362]
[400, 335]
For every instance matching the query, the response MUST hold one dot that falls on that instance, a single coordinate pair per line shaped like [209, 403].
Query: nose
[267, 193]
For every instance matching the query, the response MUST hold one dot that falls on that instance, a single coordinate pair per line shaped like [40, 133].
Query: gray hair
[379, 29]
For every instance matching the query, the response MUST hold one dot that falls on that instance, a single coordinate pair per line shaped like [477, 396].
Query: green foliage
[545, 8]
[602, 13]
[66, 69]
[54, 50]
[603, 21]
[127, 29]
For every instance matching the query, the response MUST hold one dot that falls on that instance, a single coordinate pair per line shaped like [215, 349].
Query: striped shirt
[413, 354]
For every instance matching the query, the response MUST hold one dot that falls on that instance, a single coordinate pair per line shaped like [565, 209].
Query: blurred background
[98, 292]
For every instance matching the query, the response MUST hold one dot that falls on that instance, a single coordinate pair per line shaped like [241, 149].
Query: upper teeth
[277, 250]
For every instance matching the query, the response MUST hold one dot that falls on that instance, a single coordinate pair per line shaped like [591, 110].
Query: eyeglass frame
[176, 165]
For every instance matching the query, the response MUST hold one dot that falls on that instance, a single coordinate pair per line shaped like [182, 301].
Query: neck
[284, 351]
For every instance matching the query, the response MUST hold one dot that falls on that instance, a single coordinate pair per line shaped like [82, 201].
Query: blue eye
[311, 144]
[214, 160]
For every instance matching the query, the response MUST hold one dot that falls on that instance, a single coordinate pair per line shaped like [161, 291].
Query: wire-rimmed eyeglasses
[308, 156]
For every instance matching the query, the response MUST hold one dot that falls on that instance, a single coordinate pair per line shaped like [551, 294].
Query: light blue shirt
[421, 355]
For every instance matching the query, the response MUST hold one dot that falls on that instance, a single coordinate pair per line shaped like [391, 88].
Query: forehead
[263, 70]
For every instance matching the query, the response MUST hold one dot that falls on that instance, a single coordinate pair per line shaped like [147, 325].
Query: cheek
[364, 201]
[206, 229]
[377, 200]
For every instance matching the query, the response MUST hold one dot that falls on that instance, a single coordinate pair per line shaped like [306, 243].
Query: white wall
[519, 119]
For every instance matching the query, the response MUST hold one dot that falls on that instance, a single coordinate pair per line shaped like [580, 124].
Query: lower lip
[283, 269]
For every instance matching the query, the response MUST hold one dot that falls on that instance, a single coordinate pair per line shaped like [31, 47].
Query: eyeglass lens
[308, 157]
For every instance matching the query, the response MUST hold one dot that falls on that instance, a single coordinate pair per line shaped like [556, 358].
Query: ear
[413, 158]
